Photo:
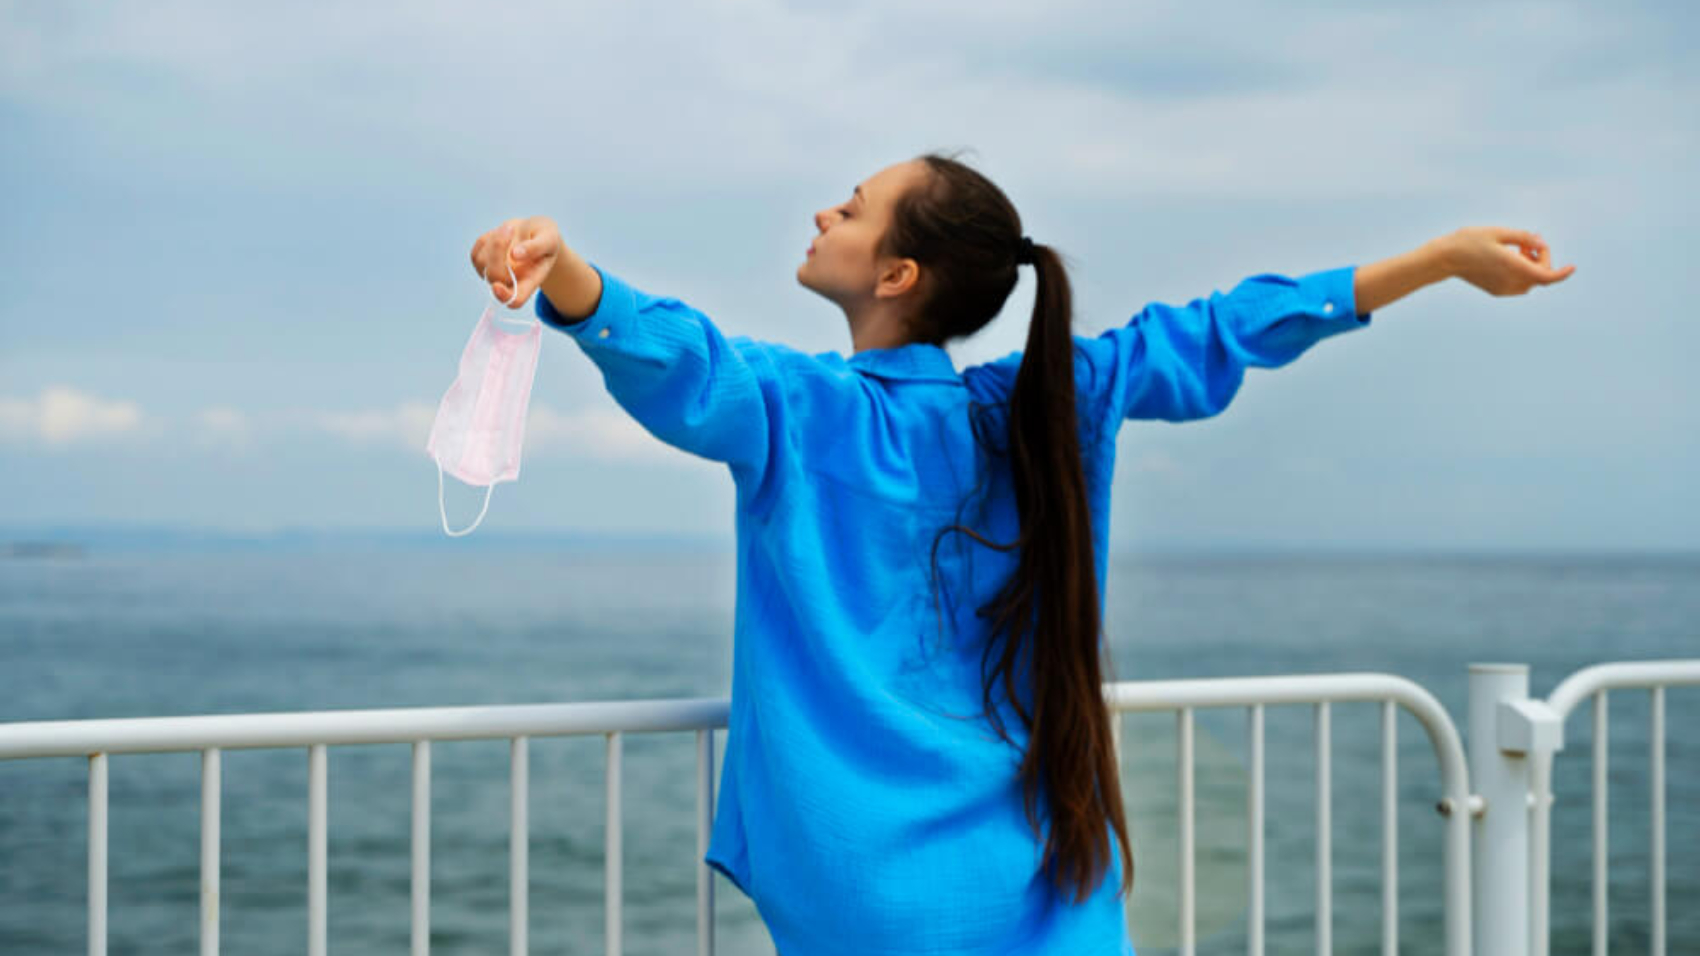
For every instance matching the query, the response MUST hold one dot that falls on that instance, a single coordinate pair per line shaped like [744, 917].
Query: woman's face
[840, 263]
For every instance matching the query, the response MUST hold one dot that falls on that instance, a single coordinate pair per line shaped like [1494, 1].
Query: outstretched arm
[1480, 255]
[663, 361]
[668, 365]
[1180, 362]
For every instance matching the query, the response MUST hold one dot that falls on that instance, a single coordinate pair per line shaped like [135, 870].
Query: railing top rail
[399, 725]
[1308, 689]
[1148, 695]
[1623, 674]
[73, 738]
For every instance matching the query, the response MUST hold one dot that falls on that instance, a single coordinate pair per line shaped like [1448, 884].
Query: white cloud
[62, 415]
[407, 424]
[599, 434]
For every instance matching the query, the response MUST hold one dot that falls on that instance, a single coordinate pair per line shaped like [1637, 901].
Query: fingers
[526, 277]
[1548, 274]
[1536, 260]
[533, 255]
[511, 290]
[537, 240]
[513, 257]
[1542, 272]
[1521, 237]
[494, 265]
[487, 253]
[490, 259]
[521, 293]
[523, 267]
[1531, 247]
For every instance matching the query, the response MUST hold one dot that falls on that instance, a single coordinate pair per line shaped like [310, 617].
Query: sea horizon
[138, 536]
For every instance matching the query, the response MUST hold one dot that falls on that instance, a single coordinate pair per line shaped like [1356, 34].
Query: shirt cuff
[1335, 292]
[616, 304]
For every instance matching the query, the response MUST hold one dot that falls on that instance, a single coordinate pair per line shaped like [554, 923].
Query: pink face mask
[481, 422]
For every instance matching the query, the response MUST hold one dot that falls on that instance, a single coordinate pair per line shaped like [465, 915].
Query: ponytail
[1071, 752]
[959, 225]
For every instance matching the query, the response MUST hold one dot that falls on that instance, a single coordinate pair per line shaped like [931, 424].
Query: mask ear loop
[514, 281]
[442, 509]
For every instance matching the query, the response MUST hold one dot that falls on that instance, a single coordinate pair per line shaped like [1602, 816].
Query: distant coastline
[82, 540]
[37, 550]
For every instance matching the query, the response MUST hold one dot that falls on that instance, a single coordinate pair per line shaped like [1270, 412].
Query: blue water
[139, 632]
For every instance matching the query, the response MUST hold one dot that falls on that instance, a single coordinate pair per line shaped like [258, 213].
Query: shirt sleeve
[1185, 362]
[668, 366]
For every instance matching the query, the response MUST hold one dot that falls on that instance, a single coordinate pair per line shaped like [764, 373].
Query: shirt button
[1326, 307]
[603, 333]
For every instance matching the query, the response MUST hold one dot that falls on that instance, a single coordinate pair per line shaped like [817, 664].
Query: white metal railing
[315, 730]
[1319, 691]
[1534, 729]
[1484, 892]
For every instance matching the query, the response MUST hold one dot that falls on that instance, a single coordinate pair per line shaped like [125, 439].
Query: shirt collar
[917, 361]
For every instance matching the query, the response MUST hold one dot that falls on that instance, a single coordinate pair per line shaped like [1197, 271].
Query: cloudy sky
[234, 280]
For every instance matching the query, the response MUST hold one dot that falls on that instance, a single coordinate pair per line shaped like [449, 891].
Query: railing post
[1499, 866]
[1532, 729]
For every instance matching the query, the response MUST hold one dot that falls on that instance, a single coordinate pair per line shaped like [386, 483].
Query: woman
[918, 757]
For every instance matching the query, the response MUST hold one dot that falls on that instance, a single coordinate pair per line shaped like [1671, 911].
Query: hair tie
[1024, 253]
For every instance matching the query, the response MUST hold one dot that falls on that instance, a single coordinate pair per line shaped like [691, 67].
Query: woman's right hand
[529, 247]
[1483, 256]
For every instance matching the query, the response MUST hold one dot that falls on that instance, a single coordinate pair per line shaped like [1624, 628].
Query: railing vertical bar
[209, 850]
[519, 846]
[1600, 797]
[611, 847]
[1324, 877]
[1254, 833]
[1188, 922]
[1459, 923]
[421, 930]
[1656, 840]
[317, 814]
[97, 854]
[705, 824]
[1540, 853]
[1389, 829]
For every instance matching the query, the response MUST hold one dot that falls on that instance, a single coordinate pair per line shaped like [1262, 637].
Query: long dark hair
[964, 231]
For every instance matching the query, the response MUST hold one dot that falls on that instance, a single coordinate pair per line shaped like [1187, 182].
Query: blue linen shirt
[863, 807]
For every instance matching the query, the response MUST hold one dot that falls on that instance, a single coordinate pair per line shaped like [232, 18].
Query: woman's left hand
[1484, 257]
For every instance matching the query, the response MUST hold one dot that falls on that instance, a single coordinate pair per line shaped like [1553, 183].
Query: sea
[134, 626]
